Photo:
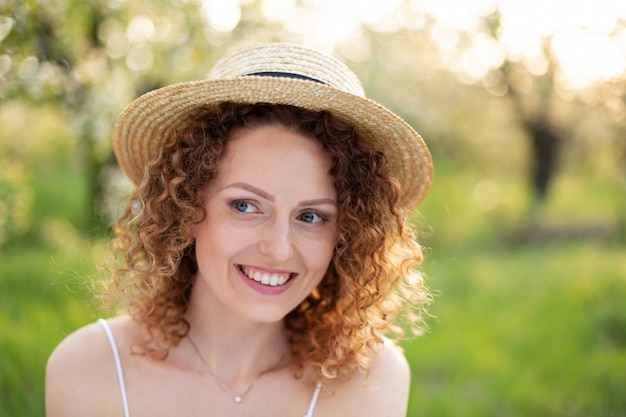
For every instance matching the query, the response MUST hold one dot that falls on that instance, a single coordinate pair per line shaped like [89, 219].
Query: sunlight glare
[140, 29]
[444, 37]
[456, 14]
[586, 41]
[536, 63]
[579, 29]
[372, 11]
[331, 25]
[333, 22]
[139, 58]
[278, 10]
[221, 15]
[484, 55]
[587, 59]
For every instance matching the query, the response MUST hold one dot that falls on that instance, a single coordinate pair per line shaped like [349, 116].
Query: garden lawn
[533, 331]
[41, 301]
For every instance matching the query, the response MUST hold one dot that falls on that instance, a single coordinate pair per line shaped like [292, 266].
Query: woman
[264, 253]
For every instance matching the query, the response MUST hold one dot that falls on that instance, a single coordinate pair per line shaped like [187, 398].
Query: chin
[266, 315]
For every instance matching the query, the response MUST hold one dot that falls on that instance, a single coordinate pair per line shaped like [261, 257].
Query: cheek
[321, 255]
[211, 239]
[217, 240]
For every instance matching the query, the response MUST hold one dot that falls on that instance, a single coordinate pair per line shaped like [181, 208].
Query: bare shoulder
[384, 392]
[390, 363]
[81, 378]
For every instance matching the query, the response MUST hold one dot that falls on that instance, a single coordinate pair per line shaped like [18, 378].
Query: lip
[262, 288]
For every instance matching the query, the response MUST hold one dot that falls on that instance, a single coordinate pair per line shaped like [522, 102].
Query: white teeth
[266, 278]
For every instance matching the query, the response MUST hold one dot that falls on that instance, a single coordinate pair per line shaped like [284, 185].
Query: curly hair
[371, 276]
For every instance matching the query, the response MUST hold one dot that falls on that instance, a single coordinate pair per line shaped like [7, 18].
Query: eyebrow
[252, 189]
[318, 201]
[267, 196]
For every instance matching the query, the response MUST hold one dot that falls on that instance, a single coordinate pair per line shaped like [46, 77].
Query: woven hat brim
[148, 122]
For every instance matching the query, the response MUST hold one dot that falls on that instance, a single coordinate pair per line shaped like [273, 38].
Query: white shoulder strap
[118, 364]
[316, 394]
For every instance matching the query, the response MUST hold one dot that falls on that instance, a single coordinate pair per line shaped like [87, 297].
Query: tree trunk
[546, 146]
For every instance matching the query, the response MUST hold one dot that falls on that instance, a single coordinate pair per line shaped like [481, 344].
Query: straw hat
[276, 73]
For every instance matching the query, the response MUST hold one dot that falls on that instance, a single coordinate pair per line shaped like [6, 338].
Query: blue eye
[311, 217]
[243, 206]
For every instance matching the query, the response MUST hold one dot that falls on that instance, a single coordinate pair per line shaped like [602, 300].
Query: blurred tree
[47, 46]
[543, 130]
[533, 87]
[531, 96]
[91, 57]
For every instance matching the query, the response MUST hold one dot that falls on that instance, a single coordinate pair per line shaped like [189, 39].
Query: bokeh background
[523, 105]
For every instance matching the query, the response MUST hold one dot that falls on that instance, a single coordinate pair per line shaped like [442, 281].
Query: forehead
[275, 156]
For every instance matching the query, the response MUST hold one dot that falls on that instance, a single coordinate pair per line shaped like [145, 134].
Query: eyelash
[322, 218]
[236, 204]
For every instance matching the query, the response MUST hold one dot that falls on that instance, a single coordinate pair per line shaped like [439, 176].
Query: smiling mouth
[272, 279]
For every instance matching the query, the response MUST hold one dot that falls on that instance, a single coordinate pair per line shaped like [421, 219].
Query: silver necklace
[238, 398]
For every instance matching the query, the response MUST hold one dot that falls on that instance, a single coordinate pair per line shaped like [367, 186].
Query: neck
[236, 350]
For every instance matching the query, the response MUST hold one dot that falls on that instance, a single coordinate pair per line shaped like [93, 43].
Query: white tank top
[120, 374]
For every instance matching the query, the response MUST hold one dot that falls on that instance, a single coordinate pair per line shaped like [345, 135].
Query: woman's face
[270, 226]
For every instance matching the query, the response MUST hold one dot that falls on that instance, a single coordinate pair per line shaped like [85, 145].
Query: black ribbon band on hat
[285, 75]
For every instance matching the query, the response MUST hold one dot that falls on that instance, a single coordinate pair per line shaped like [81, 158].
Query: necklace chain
[237, 397]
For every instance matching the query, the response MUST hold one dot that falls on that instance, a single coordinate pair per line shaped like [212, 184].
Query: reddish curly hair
[371, 276]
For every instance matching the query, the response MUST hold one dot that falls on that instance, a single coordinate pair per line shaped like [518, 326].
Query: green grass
[44, 276]
[523, 329]
[42, 300]
[536, 331]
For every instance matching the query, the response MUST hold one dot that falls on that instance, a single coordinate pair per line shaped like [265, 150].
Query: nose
[277, 241]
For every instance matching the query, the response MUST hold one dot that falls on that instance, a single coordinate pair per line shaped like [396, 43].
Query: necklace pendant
[238, 399]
